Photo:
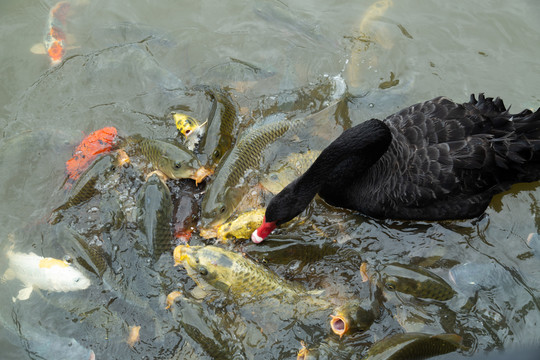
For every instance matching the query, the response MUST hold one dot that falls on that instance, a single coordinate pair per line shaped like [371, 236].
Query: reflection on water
[129, 66]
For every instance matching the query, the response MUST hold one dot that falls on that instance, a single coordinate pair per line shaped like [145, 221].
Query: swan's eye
[187, 132]
[177, 165]
[77, 280]
[203, 271]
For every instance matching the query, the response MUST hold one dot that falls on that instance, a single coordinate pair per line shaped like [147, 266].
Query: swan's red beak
[263, 231]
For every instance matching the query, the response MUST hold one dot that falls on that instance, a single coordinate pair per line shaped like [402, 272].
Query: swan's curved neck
[366, 143]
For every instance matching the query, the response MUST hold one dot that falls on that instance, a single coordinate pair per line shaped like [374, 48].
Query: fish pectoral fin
[24, 294]
[198, 292]
[38, 49]
[8, 275]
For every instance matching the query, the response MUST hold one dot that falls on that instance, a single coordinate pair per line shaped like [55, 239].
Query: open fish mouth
[339, 325]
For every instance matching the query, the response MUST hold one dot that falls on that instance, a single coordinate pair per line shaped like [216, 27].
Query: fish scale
[174, 160]
[232, 272]
[244, 156]
[154, 215]
[85, 187]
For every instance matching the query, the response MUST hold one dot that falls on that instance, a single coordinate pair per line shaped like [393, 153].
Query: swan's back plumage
[445, 161]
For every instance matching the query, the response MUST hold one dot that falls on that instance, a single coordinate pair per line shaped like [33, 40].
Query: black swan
[435, 160]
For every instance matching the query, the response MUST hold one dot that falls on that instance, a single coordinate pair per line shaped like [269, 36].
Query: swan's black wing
[446, 160]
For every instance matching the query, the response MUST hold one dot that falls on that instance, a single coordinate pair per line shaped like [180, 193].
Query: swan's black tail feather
[519, 149]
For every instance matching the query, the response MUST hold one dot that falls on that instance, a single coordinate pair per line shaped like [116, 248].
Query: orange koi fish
[98, 142]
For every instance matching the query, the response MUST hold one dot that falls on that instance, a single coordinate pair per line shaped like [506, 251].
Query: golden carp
[412, 280]
[242, 226]
[232, 273]
[229, 188]
[413, 346]
[45, 273]
[172, 159]
[154, 214]
[218, 138]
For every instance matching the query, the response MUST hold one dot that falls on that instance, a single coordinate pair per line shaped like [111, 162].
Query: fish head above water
[180, 163]
[217, 208]
[206, 265]
[185, 124]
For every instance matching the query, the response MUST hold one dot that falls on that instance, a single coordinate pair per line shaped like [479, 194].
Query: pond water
[129, 64]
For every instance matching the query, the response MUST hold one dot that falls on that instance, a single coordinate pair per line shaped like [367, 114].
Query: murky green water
[128, 65]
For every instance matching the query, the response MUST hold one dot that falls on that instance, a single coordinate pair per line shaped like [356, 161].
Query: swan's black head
[285, 206]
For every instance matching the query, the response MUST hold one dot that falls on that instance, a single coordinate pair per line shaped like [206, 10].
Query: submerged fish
[172, 159]
[471, 277]
[232, 273]
[413, 346]
[44, 344]
[229, 187]
[218, 138]
[54, 44]
[283, 173]
[204, 329]
[45, 273]
[154, 216]
[415, 281]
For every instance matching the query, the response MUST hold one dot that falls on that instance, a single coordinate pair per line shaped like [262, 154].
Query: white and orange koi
[45, 273]
[55, 42]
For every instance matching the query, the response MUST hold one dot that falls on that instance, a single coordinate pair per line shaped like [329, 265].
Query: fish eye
[177, 165]
[187, 132]
[222, 209]
[68, 259]
[391, 284]
[203, 271]
[216, 154]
